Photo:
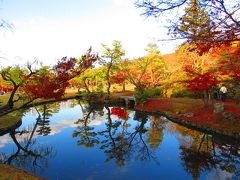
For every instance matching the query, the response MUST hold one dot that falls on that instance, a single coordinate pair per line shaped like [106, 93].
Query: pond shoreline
[119, 102]
[16, 123]
[194, 126]
[4, 112]
[175, 119]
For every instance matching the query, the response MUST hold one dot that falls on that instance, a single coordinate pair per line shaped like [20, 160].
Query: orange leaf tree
[146, 72]
[200, 71]
[229, 61]
[229, 66]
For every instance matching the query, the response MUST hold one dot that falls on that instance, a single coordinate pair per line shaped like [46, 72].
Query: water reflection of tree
[43, 122]
[28, 155]
[202, 152]
[122, 144]
[228, 156]
[137, 142]
[115, 145]
[119, 141]
[195, 162]
[46, 111]
[155, 133]
[86, 134]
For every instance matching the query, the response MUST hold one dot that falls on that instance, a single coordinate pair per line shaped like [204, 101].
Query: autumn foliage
[200, 82]
[229, 60]
[117, 78]
[53, 83]
[6, 88]
[119, 112]
[45, 87]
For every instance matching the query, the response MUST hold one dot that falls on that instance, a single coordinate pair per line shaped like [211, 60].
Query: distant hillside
[170, 59]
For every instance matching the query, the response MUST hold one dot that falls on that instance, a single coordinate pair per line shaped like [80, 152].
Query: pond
[72, 140]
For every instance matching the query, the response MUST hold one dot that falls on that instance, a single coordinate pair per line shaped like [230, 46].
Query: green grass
[10, 119]
[4, 98]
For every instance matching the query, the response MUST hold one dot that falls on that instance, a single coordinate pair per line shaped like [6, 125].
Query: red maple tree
[118, 78]
[53, 83]
[201, 82]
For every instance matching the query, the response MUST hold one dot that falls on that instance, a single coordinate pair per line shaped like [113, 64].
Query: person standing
[223, 91]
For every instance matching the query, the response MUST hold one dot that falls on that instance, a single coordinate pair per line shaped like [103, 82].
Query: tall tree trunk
[108, 87]
[10, 102]
[108, 80]
[123, 87]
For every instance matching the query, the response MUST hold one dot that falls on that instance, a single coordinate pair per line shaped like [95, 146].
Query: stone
[218, 107]
[190, 114]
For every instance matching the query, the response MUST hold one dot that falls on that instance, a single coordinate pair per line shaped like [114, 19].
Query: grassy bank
[10, 120]
[11, 173]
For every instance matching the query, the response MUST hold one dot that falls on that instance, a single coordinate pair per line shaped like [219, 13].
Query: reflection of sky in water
[142, 161]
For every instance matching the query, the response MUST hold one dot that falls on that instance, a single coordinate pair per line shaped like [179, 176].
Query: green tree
[92, 80]
[195, 24]
[16, 76]
[152, 48]
[111, 56]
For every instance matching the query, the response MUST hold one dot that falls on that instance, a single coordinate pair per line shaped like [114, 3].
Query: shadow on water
[126, 137]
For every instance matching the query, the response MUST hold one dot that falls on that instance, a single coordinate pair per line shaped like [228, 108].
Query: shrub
[141, 97]
[186, 93]
[153, 92]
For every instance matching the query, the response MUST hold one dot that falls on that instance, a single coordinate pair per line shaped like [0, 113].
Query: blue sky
[50, 29]
[53, 9]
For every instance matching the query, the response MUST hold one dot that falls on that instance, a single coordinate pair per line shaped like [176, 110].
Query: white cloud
[49, 39]
[60, 126]
[55, 129]
[4, 140]
[219, 174]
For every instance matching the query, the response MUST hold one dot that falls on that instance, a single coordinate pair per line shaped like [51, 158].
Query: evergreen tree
[195, 24]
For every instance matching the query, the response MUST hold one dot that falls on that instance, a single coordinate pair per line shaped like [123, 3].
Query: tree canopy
[225, 25]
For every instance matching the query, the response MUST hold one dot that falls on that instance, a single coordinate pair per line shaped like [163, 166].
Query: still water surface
[72, 140]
